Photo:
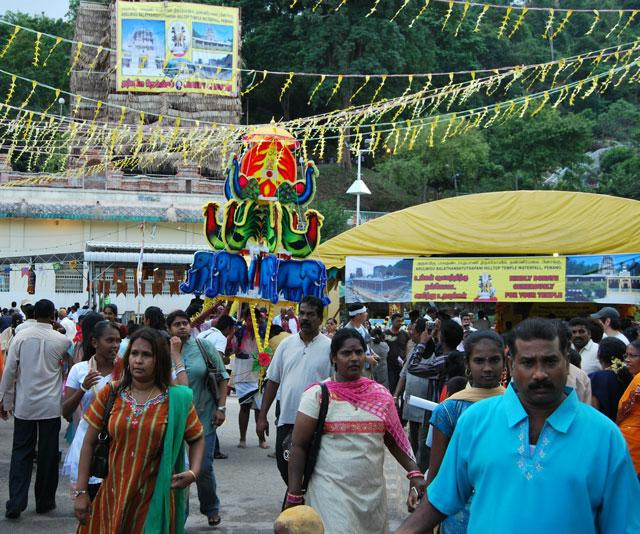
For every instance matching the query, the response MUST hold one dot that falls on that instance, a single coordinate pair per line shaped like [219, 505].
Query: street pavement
[249, 487]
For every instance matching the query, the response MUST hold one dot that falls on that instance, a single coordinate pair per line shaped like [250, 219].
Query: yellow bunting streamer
[316, 88]
[432, 133]
[596, 19]
[253, 86]
[562, 24]
[55, 45]
[93, 63]
[549, 25]
[375, 95]
[402, 6]
[420, 13]
[447, 15]
[373, 8]
[286, 85]
[465, 10]
[485, 8]
[631, 18]
[36, 50]
[519, 22]
[76, 57]
[542, 104]
[336, 87]
[612, 30]
[16, 30]
[366, 81]
[505, 22]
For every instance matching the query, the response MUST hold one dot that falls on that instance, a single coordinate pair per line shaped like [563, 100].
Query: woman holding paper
[484, 355]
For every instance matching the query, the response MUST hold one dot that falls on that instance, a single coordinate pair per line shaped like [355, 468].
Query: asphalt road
[249, 487]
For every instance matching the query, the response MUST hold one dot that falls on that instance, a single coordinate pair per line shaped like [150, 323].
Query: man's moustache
[541, 385]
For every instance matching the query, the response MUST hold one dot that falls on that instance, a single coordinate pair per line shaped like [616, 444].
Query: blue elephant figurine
[229, 275]
[199, 276]
[298, 279]
[269, 278]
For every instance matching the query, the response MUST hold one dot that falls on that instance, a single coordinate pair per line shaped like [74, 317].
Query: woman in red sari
[629, 406]
[148, 424]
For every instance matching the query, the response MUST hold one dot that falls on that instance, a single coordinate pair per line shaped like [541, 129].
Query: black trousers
[44, 432]
[283, 465]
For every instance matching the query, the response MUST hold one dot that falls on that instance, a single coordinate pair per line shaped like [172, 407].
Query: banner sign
[171, 47]
[613, 279]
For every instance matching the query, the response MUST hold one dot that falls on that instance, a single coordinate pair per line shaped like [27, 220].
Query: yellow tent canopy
[503, 223]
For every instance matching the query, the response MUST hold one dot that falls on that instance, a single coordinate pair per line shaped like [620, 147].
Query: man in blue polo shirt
[535, 459]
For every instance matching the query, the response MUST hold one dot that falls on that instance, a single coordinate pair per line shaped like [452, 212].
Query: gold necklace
[148, 397]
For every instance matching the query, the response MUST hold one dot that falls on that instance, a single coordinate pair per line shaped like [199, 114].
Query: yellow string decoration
[420, 13]
[576, 92]
[452, 120]
[253, 86]
[342, 2]
[631, 18]
[542, 104]
[340, 146]
[525, 106]
[447, 15]
[36, 50]
[292, 4]
[402, 6]
[505, 22]
[485, 8]
[336, 87]
[93, 63]
[519, 22]
[627, 68]
[562, 24]
[366, 81]
[596, 19]
[594, 86]
[432, 133]
[316, 6]
[373, 8]
[549, 25]
[34, 84]
[612, 30]
[16, 30]
[76, 57]
[465, 9]
[316, 88]
[321, 144]
[286, 85]
[375, 95]
[55, 45]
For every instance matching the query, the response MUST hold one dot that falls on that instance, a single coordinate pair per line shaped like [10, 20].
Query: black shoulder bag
[213, 374]
[314, 447]
[100, 459]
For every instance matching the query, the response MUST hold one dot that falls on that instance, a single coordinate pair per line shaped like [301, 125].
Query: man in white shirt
[300, 360]
[217, 335]
[609, 318]
[281, 320]
[68, 325]
[467, 328]
[38, 352]
[582, 342]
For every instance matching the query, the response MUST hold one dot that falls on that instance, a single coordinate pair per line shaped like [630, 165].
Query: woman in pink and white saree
[347, 485]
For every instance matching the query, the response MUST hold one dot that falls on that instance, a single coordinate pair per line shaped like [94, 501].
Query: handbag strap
[210, 365]
[107, 411]
[312, 452]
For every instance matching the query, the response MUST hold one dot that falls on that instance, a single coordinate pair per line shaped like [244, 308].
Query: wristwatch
[222, 409]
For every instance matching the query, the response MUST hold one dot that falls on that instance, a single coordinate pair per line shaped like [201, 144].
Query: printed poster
[177, 48]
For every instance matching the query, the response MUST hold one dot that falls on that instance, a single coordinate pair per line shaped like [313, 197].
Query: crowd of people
[534, 428]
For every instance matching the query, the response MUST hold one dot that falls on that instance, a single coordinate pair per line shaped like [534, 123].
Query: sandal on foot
[214, 520]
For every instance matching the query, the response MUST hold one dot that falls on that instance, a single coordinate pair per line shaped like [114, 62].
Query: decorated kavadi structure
[260, 237]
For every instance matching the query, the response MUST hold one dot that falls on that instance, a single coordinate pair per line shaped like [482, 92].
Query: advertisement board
[171, 47]
[611, 279]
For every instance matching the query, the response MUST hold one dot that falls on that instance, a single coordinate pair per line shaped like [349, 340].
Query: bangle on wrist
[195, 478]
[415, 474]
[222, 409]
[77, 493]
[180, 370]
[295, 499]
[83, 389]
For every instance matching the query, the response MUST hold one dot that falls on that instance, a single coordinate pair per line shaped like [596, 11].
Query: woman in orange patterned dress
[149, 422]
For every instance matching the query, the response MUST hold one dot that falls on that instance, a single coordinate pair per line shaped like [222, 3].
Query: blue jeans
[209, 501]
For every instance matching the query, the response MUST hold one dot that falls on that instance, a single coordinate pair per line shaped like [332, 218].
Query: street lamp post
[358, 187]
[61, 102]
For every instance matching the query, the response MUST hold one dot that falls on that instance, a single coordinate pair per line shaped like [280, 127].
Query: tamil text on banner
[170, 47]
[489, 279]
